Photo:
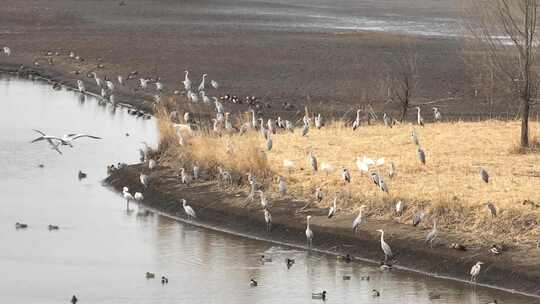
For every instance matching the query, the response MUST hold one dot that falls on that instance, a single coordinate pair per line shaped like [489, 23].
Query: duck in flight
[64, 140]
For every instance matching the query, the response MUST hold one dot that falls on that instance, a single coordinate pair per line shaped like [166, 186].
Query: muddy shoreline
[227, 211]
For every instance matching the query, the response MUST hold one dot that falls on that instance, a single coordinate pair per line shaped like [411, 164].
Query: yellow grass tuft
[447, 187]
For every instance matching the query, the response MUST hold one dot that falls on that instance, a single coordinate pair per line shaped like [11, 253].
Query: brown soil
[515, 269]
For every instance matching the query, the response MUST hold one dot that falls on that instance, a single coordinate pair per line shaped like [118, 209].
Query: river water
[101, 252]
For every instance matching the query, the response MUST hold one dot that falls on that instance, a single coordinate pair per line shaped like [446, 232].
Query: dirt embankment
[229, 210]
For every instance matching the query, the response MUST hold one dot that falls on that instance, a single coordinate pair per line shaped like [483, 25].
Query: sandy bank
[228, 211]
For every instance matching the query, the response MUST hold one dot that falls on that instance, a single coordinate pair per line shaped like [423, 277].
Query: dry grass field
[448, 187]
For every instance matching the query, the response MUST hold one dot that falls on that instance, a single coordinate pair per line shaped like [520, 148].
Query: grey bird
[484, 175]
[492, 209]
[414, 138]
[421, 155]
[418, 217]
[312, 161]
[432, 235]
[345, 175]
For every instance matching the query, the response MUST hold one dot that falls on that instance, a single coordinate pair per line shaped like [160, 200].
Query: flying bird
[64, 140]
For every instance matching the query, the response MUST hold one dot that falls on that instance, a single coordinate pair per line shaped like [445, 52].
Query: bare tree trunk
[405, 107]
[525, 123]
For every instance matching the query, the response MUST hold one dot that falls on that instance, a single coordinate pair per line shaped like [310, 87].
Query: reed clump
[448, 187]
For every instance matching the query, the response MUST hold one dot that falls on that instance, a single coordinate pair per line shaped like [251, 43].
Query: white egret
[152, 164]
[268, 220]
[419, 118]
[309, 232]
[80, 86]
[7, 51]
[358, 220]
[144, 180]
[356, 122]
[64, 140]
[318, 121]
[400, 206]
[332, 211]
[127, 196]
[138, 197]
[264, 202]
[475, 271]
[120, 80]
[187, 81]
[203, 83]
[188, 210]
[110, 85]
[436, 114]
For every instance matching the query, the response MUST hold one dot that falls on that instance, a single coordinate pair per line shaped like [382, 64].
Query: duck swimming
[319, 295]
[53, 227]
[290, 262]
[253, 283]
[375, 293]
[150, 275]
[81, 175]
[20, 225]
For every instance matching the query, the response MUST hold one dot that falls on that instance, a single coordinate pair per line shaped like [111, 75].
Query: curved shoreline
[225, 212]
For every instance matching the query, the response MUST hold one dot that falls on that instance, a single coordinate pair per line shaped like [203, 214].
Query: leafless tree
[506, 29]
[403, 80]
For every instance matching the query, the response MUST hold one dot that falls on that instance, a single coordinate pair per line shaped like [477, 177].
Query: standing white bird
[475, 271]
[159, 85]
[152, 164]
[271, 126]
[188, 210]
[202, 86]
[196, 171]
[356, 122]
[144, 180]
[432, 235]
[358, 220]
[143, 83]
[268, 220]
[385, 247]
[400, 206]
[110, 85]
[309, 232]
[187, 81]
[138, 197]
[7, 51]
[332, 211]
[318, 121]
[419, 118]
[80, 86]
[436, 114]
[127, 196]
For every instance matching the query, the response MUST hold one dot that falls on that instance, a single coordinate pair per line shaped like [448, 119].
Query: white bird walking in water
[268, 220]
[188, 210]
[385, 247]
[309, 232]
[127, 196]
[144, 180]
[358, 220]
[475, 271]
[138, 197]
[332, 211]
[187, 81]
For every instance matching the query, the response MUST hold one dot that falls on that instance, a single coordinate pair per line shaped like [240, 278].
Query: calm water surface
[101, 253]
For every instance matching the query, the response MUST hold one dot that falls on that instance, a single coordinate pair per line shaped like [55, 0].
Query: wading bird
[418, 217]
[484, 175]
[269, 143]
[400, 206]
[80, 86]
[414, 137]
[7, 51]
[312, 161]
[282, 187]
[387, 120]
[127, 196]
[305, 130]
[309, 232]
[345, 175]
[318, 121]
[356, 122]
[138, 197]
[358, 220]
[268, 220]
[264, 202]
[188, 210]
[419, 118]
[152, 164]
[187, 81]
[319, 194]
[475, 271]
[436, 114]
[64, 140]
[385, 247]
[202, 86]
[492, 209]
[332, 211]
[432, 235]
[144, 180]
[421, 155]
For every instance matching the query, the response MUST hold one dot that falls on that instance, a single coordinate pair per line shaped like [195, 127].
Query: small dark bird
[290, 262]
[53, 227]
[81, 175]
[20, 225]
[345, 175]
[421, 155]
[41, 166]
[253, 283]
[164, 280]
[346, 278]
[375, 293]
[492, 209]
[74, 299]
[458, 247]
